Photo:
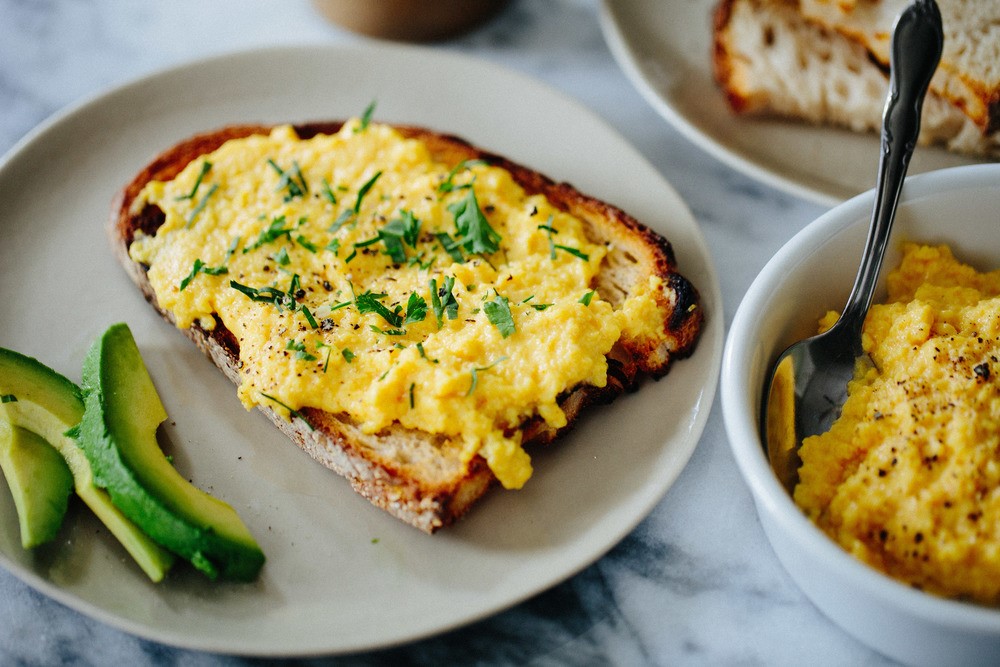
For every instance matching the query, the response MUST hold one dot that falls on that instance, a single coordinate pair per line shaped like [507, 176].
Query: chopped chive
[364, 191]
[305, 243]
[201, 204]
[328, 193]
[205, 167]
[366, 117]
[309, 317]
[293, 413]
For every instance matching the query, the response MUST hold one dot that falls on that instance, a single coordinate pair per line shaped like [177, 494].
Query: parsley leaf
[273, 232]
[370, 303]
[449, 182]
[498, 313]
[8, 398]
[473, 229]
[348, 355]
[416, 309]
[443, 300]
[300, 350]
[404, 229]
[450, 246]
[586, 298]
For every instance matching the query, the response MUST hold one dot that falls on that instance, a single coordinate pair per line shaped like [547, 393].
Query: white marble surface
[696, 582]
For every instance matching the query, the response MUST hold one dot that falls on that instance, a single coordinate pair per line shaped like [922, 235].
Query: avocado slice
[39, 480]
[37, 398]
[118, 435]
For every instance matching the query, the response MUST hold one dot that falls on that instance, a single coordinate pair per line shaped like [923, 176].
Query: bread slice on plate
[969, 73]
[770, 59]
[425, 477]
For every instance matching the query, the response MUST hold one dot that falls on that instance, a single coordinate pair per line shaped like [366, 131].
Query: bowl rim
[741, 418]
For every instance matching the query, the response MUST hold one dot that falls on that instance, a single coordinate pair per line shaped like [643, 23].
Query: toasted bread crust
[426, 500]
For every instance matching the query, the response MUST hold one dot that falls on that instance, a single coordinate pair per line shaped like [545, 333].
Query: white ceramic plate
[341, 575]
[664, 47]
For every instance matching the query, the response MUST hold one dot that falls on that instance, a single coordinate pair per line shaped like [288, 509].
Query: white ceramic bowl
[813, 273]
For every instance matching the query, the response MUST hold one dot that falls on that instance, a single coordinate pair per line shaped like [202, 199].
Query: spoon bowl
[808, 384]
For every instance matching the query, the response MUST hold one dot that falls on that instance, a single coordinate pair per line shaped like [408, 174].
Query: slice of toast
[413, 475]
[969, 73]
[770, 60]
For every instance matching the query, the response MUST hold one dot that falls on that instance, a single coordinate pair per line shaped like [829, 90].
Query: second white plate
[665, 48]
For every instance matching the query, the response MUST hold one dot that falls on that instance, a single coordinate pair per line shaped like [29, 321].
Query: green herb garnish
[416, 309]
[448, 185]
[300, 350]
[404, 229]
[370, 303]
[328, 193]
[573, 251]
[347, 354]
[201, 204]
[309, 317]
[281, 257]
[8, 398]
[366, 117]
[475, 374]
[205, 167]
[498, 313]
[273, 232]
[341, 220]
[290, 180]
[387, 332]
[293, 413]
[585, 299]
[472, 228]
[412, 384]
[321, 345]
[450, 246]
[443, 300]
[364, 191]
[200, 267]
[305, 243]
[271, 295]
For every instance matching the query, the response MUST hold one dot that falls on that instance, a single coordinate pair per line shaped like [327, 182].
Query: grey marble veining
[696, 582]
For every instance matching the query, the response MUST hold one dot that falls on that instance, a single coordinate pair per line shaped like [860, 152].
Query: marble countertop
[696, 582]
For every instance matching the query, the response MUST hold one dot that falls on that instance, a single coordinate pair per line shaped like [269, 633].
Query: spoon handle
[915, 51]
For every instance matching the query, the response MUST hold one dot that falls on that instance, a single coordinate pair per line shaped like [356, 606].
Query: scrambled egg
[363, 278]
[908, 479]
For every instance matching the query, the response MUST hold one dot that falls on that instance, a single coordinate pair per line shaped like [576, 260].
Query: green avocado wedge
[39, 481]
[118, 435]
[37, 398]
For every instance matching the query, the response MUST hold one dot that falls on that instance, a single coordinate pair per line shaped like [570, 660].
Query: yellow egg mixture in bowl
[908, 478]
[899, 486]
